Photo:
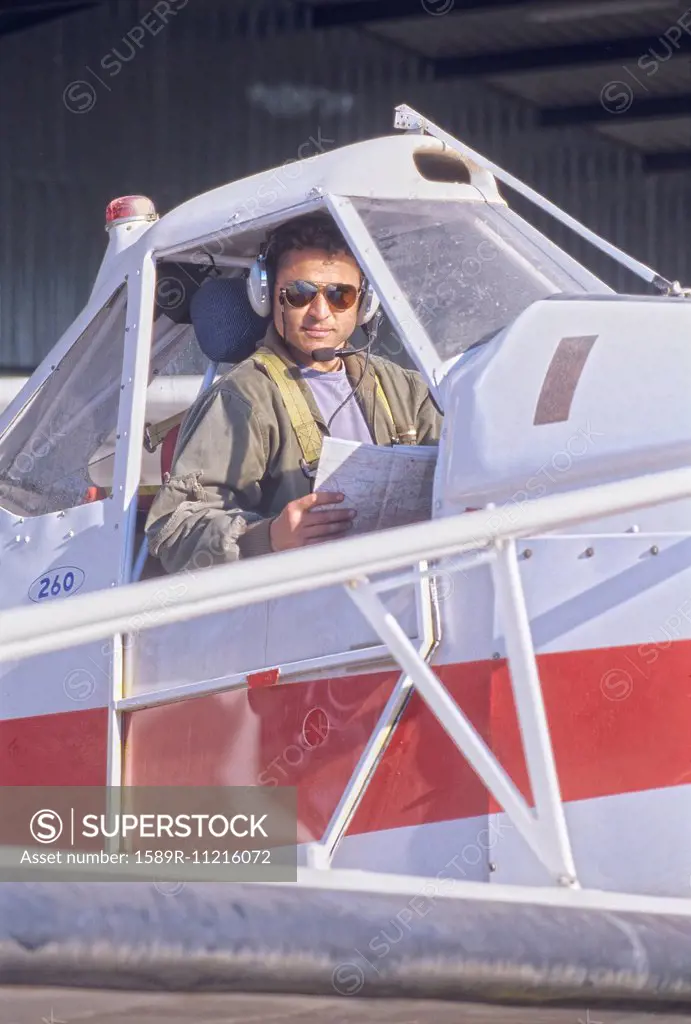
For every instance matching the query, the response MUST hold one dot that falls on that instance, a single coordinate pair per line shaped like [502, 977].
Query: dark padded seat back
[227, 328]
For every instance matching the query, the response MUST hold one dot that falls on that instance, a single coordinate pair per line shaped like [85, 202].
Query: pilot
[241, 480]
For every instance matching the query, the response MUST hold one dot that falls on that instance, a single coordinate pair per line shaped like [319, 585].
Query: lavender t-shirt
[329, 390]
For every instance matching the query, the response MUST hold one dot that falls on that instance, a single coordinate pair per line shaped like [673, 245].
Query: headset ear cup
[258, 288]
[368, 306]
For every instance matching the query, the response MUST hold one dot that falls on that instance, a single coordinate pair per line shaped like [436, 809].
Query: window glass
[45, 453]
[175, 350]
[468, 268]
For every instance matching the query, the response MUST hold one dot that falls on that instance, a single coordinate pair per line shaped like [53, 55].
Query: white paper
[386, 486]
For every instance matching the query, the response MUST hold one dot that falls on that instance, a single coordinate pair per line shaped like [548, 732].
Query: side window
[69, 424]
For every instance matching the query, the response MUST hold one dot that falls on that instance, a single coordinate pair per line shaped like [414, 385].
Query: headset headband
[259, 288]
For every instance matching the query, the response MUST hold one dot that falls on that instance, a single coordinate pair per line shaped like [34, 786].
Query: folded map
[386, 486]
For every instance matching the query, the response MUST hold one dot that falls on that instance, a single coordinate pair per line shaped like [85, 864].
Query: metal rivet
[527, 553]
[654, 550]
[496, 656]
[113, 583]
[437, 504]
[18, 538]
[492, 866]
[589, 552]
[70, 533]
[27, 539]
[633, 529]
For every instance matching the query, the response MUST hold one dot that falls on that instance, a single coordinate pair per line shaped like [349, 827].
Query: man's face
[316, 325]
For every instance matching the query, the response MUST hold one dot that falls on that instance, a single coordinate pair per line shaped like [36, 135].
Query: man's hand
[302, 522]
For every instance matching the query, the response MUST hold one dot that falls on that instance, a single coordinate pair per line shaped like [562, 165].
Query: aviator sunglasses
[340, 297]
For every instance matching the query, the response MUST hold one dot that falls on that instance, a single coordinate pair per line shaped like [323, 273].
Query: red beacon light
[128, 209]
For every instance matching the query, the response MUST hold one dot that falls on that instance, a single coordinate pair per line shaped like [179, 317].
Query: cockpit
[464, 270]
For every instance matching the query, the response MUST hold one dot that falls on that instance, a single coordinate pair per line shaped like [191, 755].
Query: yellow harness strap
[306, 430]
[379, 394]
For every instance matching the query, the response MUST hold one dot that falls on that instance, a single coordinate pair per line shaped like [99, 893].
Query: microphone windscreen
[324, 355]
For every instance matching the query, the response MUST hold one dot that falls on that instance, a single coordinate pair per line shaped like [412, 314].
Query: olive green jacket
[237, 461]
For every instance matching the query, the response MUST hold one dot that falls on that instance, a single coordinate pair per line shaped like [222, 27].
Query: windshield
[45, 453]
[468, 269]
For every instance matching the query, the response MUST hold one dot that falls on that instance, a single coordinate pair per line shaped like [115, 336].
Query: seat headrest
[226, 326]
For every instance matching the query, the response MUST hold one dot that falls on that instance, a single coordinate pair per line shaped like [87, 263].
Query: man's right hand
[302, 522]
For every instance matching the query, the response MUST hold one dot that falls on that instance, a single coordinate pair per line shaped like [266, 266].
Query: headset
[259, 288]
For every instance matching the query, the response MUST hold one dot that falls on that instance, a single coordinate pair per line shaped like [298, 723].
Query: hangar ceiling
[618, 67]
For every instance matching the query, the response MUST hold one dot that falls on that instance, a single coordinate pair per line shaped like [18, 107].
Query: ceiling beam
[654, 163]
[620, 104]
[366, 12]
[605, 51]
[14, 18]
[32, 6]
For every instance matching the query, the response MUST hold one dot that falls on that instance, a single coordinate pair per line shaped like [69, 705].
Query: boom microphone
[326, 355]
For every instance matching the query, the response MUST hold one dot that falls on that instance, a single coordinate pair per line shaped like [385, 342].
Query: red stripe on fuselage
[619, 723]
[66, 749]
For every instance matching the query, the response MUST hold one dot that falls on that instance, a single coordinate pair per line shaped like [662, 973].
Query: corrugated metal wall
[173, 97]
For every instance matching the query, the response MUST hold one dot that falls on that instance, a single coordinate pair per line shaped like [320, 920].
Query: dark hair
[313, 231]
